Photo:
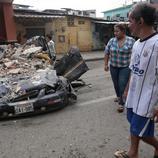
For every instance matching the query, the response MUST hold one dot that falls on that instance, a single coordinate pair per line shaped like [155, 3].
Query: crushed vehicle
[43, 91]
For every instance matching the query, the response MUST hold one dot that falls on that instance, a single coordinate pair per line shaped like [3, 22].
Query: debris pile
[30, 84]
[19, 62]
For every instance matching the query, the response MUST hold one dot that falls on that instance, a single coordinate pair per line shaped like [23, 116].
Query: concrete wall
[61, 35]
[65, 36]
[84, 34]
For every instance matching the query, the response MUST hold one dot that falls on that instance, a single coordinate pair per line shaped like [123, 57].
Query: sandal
[116, 99]
[120, 109]
[121, 154]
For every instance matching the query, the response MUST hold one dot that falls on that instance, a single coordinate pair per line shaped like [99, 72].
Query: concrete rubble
[19, 62]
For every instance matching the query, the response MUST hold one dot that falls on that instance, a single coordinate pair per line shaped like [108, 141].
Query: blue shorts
[140, 126]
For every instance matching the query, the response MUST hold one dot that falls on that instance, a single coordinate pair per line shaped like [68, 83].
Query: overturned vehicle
[46, 90]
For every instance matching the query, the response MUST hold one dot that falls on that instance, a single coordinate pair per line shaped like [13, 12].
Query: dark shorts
[140, 126]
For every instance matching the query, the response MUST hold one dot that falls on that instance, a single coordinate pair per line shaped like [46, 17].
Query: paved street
[89, 128]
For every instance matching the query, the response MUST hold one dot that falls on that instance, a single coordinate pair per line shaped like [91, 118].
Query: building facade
[66, 30]
[118, 14]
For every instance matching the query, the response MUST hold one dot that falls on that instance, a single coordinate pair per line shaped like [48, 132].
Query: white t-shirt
[51, 46]
[143, 89]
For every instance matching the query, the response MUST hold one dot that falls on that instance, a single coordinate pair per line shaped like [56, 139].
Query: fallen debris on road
[29, 84]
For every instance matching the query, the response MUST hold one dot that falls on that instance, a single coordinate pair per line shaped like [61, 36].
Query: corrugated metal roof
[36, 16]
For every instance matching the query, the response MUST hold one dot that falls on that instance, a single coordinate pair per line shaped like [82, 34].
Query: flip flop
[121, 154]
[116, 99]
[120, 109]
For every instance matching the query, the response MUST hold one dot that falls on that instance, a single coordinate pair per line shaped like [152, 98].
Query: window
[117, 15]
[108, 17]
[70, 21]
[79, 13]
[127, 14]
[81, 22]
[122, 19]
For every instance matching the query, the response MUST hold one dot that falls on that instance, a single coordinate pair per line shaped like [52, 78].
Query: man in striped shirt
[143, 88]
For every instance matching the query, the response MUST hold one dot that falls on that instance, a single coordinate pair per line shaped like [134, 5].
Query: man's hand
[106, 59]
[106, 67]
[156, 114]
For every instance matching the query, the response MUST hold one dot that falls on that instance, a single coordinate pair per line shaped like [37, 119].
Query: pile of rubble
[19, 62]
[31, 83]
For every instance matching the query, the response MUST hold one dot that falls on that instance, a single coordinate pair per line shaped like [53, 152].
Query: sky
[98, 5]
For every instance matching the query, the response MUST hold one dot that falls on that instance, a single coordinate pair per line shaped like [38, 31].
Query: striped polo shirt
[119, 56]
[143, 89]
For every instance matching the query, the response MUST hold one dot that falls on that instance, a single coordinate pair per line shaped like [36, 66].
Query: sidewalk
[89, 56]
[95, 55]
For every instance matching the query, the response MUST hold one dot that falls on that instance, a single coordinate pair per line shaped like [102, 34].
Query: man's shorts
[140, 126]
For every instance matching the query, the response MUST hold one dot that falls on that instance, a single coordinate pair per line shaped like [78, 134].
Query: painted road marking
[97, 100]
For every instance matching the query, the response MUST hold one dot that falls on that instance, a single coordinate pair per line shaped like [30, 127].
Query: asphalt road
[89, 128]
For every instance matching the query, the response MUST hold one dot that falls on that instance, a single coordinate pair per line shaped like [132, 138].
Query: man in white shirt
[51, 46]
[142, 95]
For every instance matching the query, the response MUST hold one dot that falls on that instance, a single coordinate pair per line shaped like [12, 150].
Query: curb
[94, 59]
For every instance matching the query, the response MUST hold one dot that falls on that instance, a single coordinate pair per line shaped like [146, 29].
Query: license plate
[23, 108]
